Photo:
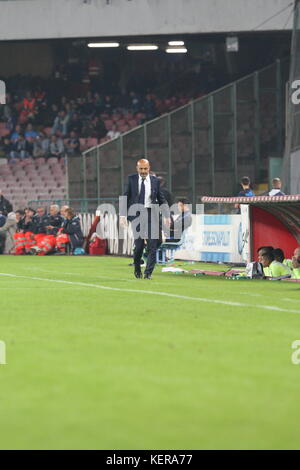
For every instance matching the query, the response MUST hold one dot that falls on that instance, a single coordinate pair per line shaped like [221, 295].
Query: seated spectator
[29, 108]
[63, 212]
[5, 206]
[296, 263]
[56, 148]
[134, 102]
[7, 147]
[107, 105]
[98, 102]
[2, 219]
[276, 269]
[7, 232]
[72, 228]
[149, 107]
[73, 144]
[30, 132]
[16, 133]
[26, 224]
[54, 220]
[49, 113]
[75, 124]
[61, 123]
[113, 133]
[21, 148]
[41, 146]
[40, 220]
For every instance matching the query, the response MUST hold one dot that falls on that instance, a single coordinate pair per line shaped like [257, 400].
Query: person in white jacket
[7, 232]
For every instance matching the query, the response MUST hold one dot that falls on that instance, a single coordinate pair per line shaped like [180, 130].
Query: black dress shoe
[138, 273]
[147, 276]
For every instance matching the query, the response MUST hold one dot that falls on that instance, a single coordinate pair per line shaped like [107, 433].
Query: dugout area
[273, 220]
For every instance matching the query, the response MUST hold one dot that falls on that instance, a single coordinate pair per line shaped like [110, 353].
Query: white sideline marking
[163, 294]
[80, 274]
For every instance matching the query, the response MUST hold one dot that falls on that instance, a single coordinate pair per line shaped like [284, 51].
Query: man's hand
[123, 221]
[295, 262]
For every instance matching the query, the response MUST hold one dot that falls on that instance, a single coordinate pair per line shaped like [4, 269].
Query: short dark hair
[265, 248]
[278, 254]
[245, 180]
[269, 255]
[183, 200]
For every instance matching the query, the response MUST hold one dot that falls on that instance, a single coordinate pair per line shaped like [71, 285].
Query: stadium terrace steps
[29, 179]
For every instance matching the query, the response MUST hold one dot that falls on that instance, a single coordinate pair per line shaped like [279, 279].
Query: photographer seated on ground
[72, 227]
[275, 268]
[279, 256]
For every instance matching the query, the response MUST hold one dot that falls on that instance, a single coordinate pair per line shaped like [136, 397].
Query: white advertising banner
[218, 238]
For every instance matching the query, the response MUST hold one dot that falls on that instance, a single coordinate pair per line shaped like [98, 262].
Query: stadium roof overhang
[284, 208]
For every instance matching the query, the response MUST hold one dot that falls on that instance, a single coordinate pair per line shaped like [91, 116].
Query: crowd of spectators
[32, 125]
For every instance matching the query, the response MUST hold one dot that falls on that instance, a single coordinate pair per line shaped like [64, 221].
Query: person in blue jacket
[72, 227]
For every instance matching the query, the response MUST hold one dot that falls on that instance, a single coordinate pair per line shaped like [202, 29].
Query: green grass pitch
[96, 359]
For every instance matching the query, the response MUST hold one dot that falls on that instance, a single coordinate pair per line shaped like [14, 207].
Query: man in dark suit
[143, 196]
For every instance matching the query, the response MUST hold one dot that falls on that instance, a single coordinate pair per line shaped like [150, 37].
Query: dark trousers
[139, 245]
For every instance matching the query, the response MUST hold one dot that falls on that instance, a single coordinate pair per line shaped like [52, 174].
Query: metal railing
[202, 148]
[88, 205]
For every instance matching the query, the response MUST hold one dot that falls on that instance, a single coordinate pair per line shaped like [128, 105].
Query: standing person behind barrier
[72, 227]
[245, 192]
[276, 188]
[182, 222]
[55, 220]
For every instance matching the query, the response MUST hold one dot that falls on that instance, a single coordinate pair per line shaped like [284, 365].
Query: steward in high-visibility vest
[61, 240]
[19, 241]
[46, 245]
[296, 263]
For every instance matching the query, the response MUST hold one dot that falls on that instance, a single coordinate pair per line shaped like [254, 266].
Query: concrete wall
[26, 58]
[36, 19]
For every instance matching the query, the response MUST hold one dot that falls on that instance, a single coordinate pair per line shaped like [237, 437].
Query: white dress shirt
[147, 183]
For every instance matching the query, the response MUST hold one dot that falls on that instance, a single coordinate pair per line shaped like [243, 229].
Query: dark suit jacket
[132, 193]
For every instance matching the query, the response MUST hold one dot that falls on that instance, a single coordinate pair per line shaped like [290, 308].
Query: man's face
[264, 261]
[180, 206]
[40, 211]
[63, 211]
[143, 168]
[260, 255]
[295, 258]
[53, 210]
